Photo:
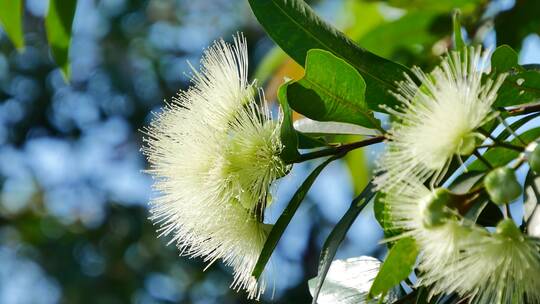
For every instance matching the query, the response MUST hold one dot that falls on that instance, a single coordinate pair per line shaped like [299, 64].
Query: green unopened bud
[508, 228]
[502, 185]
[534, 157]
[435, 211]
[469, 142]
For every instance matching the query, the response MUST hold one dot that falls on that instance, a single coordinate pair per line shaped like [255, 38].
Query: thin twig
[339, 149]
[524, 109]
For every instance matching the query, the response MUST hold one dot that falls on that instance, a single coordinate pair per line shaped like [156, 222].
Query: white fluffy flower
[501, 267]
[214, 152]
[437, 230]
[457, 256]
[437, 119]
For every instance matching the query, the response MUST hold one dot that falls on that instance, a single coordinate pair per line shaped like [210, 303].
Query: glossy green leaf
[459, 44]
[503, 59]
[11, 12]
[337, 235]
[331, 90]
[519, 88]
[411, 32]
[348, 282]
[311, 126]
[435, 5]
[294, 26]
[503, 136]
[289, 137]
[398, 266]
[286, 217]
[58, 25]
[500, 156]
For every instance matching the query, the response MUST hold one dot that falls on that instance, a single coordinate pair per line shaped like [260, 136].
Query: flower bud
[469, 142]
[434, 211]
[534, 157]
[508, 228]
[502, 185]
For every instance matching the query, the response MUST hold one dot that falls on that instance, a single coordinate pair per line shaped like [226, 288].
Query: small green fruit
[502, 185]
[508, 228]
[435, 212]
[534, 159]
[469, 142]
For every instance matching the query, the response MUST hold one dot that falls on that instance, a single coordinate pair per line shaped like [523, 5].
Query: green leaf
[383, 216]
[314, 127]
[348, 282]
[331, 90]
[412, 32]
[519, 88]
[11, 12]
[521, 85]
[398, 265]
[294, 26]
[500, 156]
[289, 137]
[285, 218]
[503, 136]
[459, 44]
[435, 5]
[503, 59]
[58, 27]
[337, 235]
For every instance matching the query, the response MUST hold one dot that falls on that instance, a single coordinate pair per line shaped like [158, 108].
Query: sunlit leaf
[288, 135]
[348, 282]
[398, 266]
[459, 44]
[331, 90]
[307, 125]
[11, 12]
[58, 25]
[294, 26]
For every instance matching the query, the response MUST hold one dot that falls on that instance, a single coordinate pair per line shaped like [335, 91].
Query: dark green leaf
[500, 156]
[285, 218]
[503, 59]
[398, 265]
[288, 135]
[331, 90]
[58, 27]
[503, 136]
[337, 235]
[519, 88]
[11, 12]
[294, 26]
[459, 44]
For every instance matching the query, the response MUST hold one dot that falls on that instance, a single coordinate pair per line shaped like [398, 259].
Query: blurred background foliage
[74, 222]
